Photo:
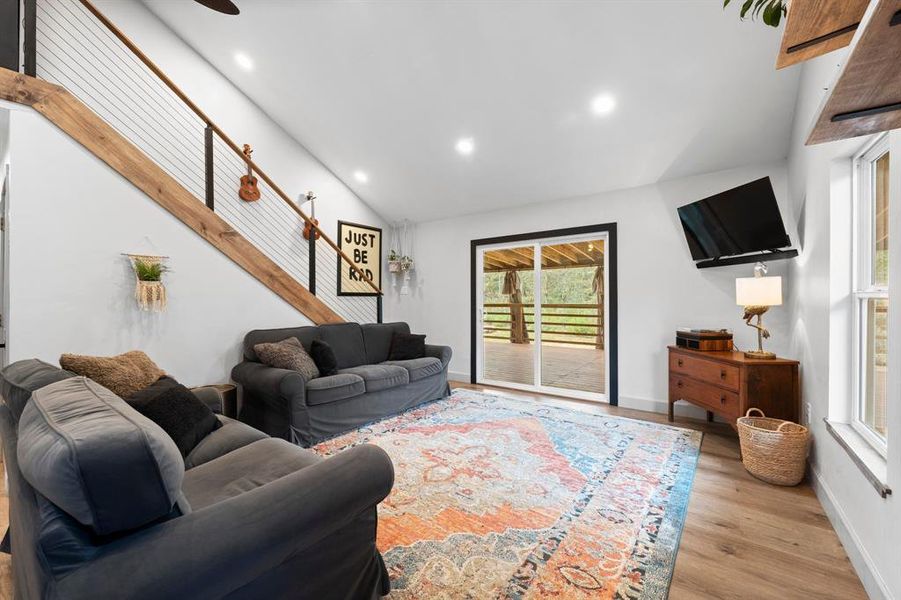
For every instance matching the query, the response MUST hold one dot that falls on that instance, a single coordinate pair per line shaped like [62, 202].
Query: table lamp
[757, 294]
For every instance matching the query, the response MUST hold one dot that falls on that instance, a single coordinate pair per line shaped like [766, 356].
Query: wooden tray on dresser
[728, 384]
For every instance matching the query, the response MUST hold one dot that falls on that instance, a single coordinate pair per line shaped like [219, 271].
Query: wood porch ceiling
[558, 256]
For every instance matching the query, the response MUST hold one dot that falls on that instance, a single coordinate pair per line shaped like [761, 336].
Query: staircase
[84, 75]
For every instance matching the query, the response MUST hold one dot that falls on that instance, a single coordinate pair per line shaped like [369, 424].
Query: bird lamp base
[760, 355]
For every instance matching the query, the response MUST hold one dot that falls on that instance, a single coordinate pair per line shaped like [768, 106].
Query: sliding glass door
[542, 310]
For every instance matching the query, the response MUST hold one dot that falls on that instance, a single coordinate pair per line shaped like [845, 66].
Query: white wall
[820, 188]
[289, 164]
[71, 217]
[660, 288]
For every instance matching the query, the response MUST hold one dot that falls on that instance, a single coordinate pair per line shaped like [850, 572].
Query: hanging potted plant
[150, 293]
[394, 262]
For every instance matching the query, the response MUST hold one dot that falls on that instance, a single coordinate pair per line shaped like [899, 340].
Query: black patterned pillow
[288, 354]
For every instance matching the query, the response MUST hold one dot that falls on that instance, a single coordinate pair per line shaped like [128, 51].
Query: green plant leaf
[744, 8]
[726, 3]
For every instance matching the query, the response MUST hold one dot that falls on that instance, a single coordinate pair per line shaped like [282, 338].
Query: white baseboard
[456, 376]
[860, 559]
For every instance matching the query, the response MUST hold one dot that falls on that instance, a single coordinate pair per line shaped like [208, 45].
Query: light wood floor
[567, 366]
[743, 539]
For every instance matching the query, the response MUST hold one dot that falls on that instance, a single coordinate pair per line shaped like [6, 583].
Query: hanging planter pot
[150, 292]
[394, 266]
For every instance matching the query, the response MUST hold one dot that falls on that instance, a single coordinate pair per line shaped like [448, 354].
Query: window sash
[864, 285]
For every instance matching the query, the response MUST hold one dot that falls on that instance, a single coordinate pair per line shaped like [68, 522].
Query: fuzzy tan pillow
[123, 375]
[287, 354]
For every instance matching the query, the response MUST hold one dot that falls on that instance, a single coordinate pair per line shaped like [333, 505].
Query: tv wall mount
[747, 258]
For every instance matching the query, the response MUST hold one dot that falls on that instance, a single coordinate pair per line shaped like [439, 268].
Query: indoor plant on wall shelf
[150, 293]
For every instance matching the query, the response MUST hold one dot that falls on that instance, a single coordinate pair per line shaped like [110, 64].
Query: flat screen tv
[739, 221]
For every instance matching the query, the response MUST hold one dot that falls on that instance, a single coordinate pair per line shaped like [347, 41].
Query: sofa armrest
[266, 381]
[210, 396]
[196, 555]
[442, 353]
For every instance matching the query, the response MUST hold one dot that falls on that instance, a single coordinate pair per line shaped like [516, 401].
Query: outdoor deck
[563, 365]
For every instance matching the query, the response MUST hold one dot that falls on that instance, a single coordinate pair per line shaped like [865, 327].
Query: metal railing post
[208, 156]
[29, 43]
[312, 259]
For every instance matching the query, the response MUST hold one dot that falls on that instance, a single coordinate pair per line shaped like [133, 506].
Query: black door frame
[611, 291]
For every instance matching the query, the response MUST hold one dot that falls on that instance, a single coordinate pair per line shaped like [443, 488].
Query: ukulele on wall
[308, 225]
[248, 192]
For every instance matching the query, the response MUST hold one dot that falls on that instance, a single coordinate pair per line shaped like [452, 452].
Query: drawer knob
[722, 373]
[679, 362]
[679, 383]
[722, 400]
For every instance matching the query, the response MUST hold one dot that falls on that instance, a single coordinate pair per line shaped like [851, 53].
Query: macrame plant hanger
[149, 294]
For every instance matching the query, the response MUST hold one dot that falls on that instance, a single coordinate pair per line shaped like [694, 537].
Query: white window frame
[862, 287]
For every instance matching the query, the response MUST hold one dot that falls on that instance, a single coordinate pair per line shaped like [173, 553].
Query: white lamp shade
[758, 291]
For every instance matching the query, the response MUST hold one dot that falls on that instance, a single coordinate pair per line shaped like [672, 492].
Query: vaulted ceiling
[389, 87]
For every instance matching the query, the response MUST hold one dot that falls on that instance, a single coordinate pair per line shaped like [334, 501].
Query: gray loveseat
[102, 505]
[367, 387]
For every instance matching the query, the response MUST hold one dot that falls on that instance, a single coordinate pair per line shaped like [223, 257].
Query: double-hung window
[871, 281]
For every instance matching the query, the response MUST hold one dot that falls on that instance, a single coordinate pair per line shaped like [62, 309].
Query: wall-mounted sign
[363, 244]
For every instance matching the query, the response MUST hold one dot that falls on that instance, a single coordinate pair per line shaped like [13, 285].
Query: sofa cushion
[324, 357]
[305, 334]
[20, 379]
[177, 410]
[123, 374]
[380, 377]
[377, 339]
[230, 436]
[288, 354]
[323, 390]
[406, 346]
[245, 469]
[109, 467]
[419, 368]
[346, 339]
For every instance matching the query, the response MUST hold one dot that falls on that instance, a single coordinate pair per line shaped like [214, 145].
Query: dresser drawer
[711, 397]
[704, 370]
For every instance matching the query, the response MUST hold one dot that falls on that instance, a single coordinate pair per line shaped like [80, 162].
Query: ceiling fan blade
[224, 6]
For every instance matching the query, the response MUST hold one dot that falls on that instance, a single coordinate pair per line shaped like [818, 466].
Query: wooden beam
[591, 259]
[500, 260]
[865, 97]
[84, 126]
[546, 250]
[815, 27]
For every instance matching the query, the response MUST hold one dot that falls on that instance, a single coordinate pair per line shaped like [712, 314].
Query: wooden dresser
[728, 384]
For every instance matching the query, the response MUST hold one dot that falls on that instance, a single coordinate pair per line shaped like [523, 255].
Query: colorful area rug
[501, 498]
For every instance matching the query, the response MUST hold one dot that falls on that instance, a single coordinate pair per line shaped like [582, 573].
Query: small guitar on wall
[249, 192]
[308, 225]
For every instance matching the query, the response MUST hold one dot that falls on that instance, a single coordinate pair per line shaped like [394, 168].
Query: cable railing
[78, 48]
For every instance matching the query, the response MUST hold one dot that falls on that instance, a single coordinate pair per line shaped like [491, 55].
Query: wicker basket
[772, 449]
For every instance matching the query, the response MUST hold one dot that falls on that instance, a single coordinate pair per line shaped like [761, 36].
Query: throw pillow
[177, 411]
[123, 375]
[288, 354]
[324, 357]
[406, 346]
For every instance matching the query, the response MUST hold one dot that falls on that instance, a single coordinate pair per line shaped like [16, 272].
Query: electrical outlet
[807, 412]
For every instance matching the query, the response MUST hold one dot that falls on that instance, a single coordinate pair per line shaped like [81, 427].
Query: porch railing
[578, 324]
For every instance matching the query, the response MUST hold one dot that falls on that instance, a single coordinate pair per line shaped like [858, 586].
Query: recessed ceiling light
[465, 146]
[603, 104]
[361, 176]
[244, 61]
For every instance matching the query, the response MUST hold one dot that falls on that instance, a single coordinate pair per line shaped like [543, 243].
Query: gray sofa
[102, 505]
[367, 387]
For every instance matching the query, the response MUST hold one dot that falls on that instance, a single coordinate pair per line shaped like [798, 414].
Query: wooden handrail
[228, 141]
